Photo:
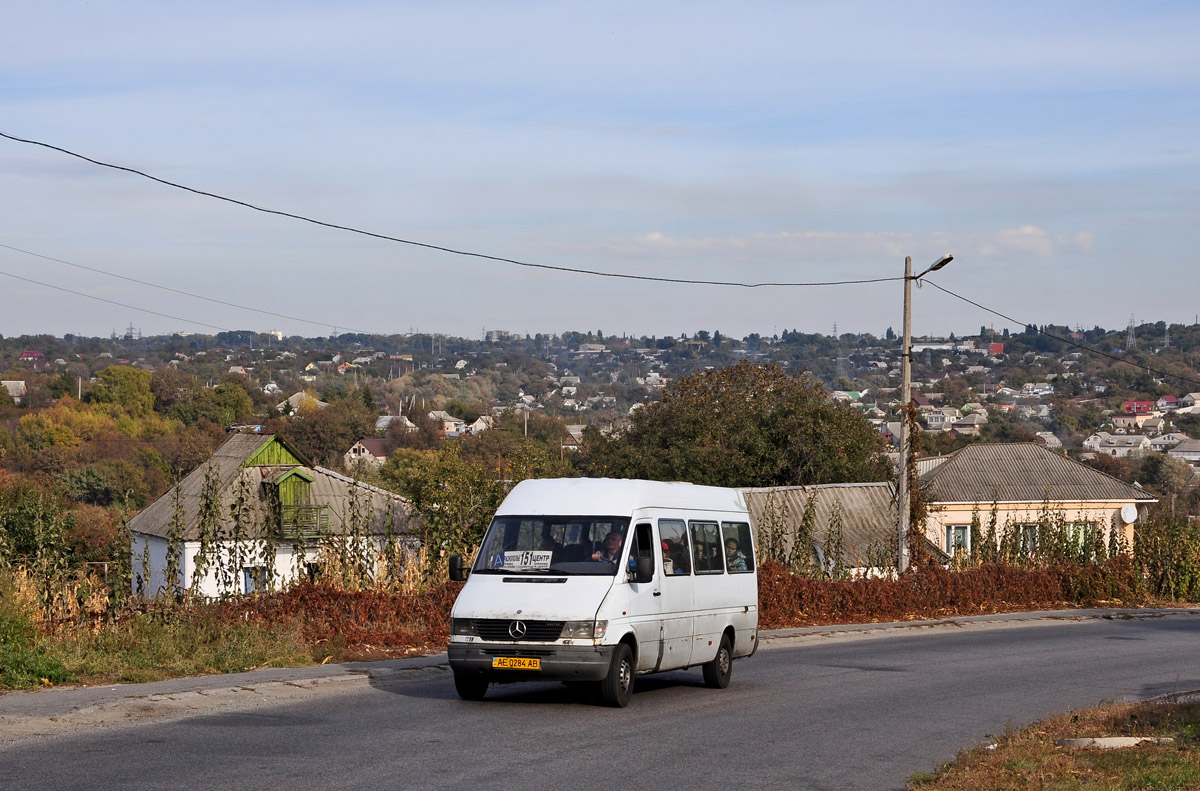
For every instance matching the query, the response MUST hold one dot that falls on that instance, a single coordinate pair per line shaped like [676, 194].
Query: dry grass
[189, 641]
[1030, 758]
[64, 600]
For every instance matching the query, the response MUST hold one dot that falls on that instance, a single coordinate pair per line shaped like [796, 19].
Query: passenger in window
[670, 563]
[611, 551]
[678, 555]
[734, 559]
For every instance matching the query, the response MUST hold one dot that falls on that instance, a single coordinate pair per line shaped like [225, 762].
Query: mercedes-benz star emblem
[517, 630]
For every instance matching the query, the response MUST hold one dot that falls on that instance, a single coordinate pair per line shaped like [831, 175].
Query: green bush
[1167, 548]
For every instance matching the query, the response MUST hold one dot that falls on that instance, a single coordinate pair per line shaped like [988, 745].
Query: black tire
[617, 686]
[470, 686]
[718, 671]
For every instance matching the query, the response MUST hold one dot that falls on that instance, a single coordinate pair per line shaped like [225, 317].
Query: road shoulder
[64, 710]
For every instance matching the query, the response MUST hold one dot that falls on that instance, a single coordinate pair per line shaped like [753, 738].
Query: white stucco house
[1020, 481]
[258, 515]
[1187, 450]
[1118, 445]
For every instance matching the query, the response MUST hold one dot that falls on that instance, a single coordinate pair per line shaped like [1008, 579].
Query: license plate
[517, 663]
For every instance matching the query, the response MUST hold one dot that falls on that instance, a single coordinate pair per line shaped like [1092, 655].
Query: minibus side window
[674, 548]
[739, 547]
[706, 548]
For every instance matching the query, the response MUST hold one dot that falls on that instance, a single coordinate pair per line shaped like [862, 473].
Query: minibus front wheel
[470, 686]
[617, 686]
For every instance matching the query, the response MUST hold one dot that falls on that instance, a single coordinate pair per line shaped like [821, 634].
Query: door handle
[658, 593]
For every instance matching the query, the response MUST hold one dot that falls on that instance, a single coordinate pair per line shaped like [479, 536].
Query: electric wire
[114, 302]
[1068, 341]
[440, 248]
[184, 293]
[484, 256]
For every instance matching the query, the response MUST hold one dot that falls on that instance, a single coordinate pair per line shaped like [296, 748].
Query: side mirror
[645, 570]
[457, 573]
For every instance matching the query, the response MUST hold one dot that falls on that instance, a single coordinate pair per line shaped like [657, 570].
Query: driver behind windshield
[611, 550]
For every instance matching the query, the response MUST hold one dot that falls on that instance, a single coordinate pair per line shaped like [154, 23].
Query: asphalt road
[814, 709]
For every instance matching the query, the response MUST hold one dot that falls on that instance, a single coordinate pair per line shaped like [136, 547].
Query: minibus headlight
[584, 630]
[462, 626]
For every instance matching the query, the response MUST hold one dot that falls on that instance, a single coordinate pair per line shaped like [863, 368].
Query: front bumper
[558, 662]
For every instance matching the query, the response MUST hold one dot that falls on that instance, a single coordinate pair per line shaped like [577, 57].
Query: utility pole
[903, 554]
[902, 550]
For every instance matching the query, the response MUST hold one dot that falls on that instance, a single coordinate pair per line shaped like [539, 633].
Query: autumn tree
[324, 434]
[745, 425]
[427, 436]
[454, 498]
[126, 387]
[1164, 474]
[1116, 466]
[186, 399]
[518, 440]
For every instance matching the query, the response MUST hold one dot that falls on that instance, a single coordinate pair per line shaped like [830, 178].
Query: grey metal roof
[327, 488]
[1021, 472]
[868, 512]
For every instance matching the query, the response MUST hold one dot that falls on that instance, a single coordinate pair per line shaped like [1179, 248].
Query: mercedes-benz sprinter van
[603, 580]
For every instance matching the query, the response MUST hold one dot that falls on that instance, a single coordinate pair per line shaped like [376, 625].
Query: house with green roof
[258, 514]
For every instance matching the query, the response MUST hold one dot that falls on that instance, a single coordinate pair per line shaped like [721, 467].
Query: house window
[1077, 534]
[958, 537]
[1029, 538]
[254, 578]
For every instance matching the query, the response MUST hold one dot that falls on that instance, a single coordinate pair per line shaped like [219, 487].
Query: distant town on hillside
[1097, 391]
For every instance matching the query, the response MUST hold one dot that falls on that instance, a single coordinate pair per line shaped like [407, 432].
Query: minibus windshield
[560, 545]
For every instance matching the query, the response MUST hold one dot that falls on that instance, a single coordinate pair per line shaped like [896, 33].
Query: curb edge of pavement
[51, 712]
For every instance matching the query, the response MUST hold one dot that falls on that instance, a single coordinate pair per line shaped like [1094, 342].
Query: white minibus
[584, 579]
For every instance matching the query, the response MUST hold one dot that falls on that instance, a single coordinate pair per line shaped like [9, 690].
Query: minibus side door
[676, 589]
[644, 605]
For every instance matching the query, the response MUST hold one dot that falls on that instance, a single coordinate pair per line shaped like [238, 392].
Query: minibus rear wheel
[718, 671]
[617, 686]
[470, 686]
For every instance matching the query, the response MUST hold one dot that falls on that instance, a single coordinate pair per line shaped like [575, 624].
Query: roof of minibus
[614, 497]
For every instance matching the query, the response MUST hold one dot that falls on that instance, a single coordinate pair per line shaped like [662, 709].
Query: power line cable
[184, 293]
[113, 302]
[1067, 341]
[499, 259]
[440, 248]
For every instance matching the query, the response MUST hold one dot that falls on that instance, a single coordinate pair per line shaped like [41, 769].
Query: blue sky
[1052, 148]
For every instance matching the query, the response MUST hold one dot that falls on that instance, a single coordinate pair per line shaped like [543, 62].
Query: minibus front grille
[509, 629]
[523, 652]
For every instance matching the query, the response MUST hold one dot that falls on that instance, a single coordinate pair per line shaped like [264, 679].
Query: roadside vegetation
[72, 474]
[1030, 758]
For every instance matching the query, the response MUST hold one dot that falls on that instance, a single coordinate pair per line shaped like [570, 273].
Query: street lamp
[902, 504]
